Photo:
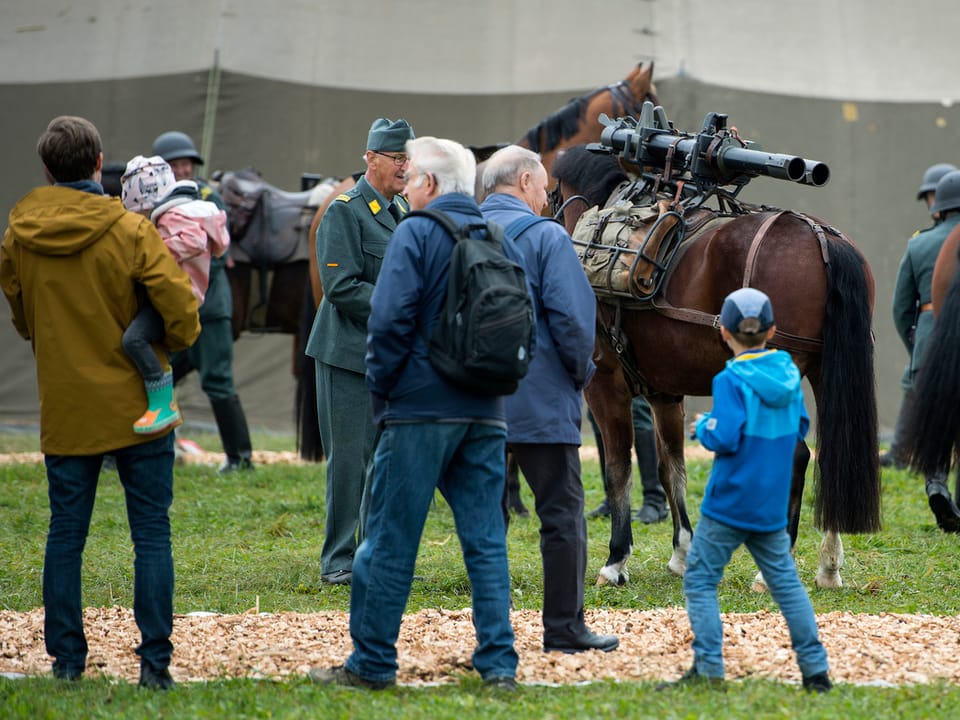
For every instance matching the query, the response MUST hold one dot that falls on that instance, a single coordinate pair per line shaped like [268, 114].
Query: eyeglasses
[398, 160]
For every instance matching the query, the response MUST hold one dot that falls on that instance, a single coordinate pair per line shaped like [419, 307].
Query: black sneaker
[339, 675]
[691, 678]
[818, 683]
[503, 683]
[153, 679]
[944, 509]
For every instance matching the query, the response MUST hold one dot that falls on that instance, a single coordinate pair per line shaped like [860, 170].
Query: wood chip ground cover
[435, 646]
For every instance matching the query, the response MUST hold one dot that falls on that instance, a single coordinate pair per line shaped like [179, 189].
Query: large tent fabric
[291, 87]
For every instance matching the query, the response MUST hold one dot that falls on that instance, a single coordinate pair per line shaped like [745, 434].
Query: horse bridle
[558, 205]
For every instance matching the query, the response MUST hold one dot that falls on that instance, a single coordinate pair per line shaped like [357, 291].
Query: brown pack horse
[933, 439]
[574, 123]
[822, 293]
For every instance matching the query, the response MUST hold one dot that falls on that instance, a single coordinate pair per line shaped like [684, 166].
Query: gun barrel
[815, 173]
[735, 161]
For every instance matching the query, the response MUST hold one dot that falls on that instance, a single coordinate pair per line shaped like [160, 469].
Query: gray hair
[453, 166]
[506, 165]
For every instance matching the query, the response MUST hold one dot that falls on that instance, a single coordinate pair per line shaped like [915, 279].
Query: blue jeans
[710, 551]
[465, 461]
[146, 473]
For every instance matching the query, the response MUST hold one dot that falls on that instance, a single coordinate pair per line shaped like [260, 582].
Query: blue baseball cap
[748, 311]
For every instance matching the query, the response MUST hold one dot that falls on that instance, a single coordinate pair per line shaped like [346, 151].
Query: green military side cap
[388, 135]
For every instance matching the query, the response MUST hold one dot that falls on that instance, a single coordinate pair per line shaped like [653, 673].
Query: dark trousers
[553, 474]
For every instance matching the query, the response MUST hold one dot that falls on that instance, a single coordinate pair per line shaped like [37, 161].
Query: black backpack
[484, 335]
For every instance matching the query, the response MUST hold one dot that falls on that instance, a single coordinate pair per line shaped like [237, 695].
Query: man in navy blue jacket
[543, 416]
[434, 436]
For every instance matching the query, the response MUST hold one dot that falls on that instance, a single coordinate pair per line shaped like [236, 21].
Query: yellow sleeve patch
[333, 264]
[343, 197]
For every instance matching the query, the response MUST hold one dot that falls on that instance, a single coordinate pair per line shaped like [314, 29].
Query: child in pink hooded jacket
[194, 230]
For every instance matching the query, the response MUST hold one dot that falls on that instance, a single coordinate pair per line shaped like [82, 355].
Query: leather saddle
[268, 226]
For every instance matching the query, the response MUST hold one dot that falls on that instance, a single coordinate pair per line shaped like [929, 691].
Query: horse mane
[594, 175]
[558, 125]
[565, 122]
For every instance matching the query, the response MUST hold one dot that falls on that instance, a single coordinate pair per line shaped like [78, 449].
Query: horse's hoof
[609, 576]
[759, 586]
[677, 568]
[829, 580]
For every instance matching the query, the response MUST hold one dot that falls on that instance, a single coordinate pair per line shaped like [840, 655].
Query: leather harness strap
[782, 339]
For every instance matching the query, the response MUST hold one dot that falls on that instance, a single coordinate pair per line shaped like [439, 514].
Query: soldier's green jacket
[913, 291]
[351, 241]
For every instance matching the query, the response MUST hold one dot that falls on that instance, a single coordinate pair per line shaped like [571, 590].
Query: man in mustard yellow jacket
[75, 266]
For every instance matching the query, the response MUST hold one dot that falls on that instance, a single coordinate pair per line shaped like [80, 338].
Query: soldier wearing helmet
[913, 318]
[928, 184]
[212, 354]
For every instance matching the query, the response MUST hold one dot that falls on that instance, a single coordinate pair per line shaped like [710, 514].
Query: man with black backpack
[543, 416]
[437, 433]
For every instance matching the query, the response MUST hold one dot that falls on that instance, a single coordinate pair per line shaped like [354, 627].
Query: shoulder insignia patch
[343, 197]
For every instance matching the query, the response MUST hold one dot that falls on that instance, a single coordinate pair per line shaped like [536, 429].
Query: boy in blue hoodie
[758, 417]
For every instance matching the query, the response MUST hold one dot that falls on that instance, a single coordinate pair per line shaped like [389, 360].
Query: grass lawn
[256, 537]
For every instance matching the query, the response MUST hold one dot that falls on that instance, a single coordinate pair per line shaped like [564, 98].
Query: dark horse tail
[934, 423]
[848, 482]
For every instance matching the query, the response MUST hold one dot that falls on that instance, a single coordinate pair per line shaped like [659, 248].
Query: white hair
[453, 166]
[506, 165]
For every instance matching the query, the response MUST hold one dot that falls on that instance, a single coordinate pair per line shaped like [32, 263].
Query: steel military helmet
[947, 194]
[932, 176]
[174, 145]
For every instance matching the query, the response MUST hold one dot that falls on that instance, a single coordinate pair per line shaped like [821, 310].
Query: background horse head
[668, 346]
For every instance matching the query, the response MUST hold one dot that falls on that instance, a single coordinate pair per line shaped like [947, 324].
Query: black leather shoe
[153, 679]
[819, 683]
[601, 510]
[338, 577]
[691, 678]
[585, 640]
[70, 674]
[339, 675]
[650, 513]
[232, 465]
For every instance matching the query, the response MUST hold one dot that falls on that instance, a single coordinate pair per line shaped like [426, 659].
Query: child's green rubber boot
[162, 411]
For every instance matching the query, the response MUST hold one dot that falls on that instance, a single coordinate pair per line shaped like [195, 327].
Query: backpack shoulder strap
[437, 216]
[458, 232]
[524, 223]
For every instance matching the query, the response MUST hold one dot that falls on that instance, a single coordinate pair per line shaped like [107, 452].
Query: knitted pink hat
[145, 181]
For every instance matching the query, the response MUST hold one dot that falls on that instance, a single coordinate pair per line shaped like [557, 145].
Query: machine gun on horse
[662, 254]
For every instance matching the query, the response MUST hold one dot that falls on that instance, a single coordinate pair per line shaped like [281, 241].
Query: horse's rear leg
[610, 403]
[831, 560]
[671, 437]
[801, 458]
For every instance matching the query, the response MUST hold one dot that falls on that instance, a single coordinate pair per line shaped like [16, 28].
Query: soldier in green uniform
[894, 457]
[212, 353]
[913, 318]
[351, 241]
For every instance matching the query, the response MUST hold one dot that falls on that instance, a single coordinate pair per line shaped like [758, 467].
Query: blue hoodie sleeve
[721, 430]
